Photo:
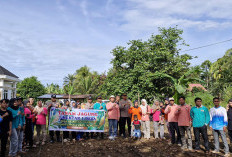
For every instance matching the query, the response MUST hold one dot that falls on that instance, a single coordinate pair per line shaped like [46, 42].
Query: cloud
[203, 15]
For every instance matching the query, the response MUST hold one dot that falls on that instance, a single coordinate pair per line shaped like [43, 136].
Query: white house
[8, 83]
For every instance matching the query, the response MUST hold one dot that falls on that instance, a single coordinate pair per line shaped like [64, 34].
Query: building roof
[191, 86]
[4, 71]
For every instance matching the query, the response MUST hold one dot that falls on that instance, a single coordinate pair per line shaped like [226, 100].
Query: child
[136, 125]
[5, 125]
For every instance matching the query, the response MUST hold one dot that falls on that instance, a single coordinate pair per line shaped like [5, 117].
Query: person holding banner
[51, 104]
[99, 105]
[66, 107]
[113, 117]
[79, 135]
[88, 106]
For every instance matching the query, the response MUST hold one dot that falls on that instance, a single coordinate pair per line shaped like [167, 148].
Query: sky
[53, 38]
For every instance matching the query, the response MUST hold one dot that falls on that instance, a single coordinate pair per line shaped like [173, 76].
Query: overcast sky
[52, 38]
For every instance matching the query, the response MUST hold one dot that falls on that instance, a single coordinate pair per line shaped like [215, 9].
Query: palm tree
[69, 80]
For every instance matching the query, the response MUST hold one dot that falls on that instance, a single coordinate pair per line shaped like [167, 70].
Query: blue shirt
[98, 105]
[218, 118]
[200, 116]
[16, 121]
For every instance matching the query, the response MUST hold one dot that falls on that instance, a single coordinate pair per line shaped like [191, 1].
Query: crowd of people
[18, 119]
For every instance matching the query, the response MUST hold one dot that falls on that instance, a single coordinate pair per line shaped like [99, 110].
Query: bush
[207, 99]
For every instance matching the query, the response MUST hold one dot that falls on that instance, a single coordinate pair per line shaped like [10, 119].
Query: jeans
[4, 138]
[13, 143]
[136, 133]
[158, 126]
[113, 127]
[79, 135]
[44, 133]
[186, 129]
[20, 140]
[203, 131]
[216, 134]
[123, 121]
[146, 129]
[174, 129]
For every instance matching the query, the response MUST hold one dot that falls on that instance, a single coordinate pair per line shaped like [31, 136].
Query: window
[5, 94]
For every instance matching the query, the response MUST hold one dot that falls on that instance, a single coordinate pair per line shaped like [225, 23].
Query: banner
[76, 120]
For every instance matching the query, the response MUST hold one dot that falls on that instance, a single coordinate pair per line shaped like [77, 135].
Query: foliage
[30, 87]
[54, 89]
[138, 68]
[207, 98]
[83, 81]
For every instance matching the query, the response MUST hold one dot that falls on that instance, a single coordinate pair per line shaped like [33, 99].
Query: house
[191, 86]
[8, 83]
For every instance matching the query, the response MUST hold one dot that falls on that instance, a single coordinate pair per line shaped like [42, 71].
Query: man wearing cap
[171, 110]
[51, 104]
[99, 105]
[125, 116]
[89, 104]
[113, 117]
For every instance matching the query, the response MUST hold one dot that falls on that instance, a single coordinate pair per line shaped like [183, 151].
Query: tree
[30, 87]
[54, 89]
[134, 66]
[221, 71]
[206, 75]
[69, 80]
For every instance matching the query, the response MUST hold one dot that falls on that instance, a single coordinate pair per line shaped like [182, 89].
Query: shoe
[34, 146]
[43, 143]
[111, 138]
[215, 152]
[58, 140]
[65, 140]
[51, 141]
[37, 143]
[179, 144]
[227, 155]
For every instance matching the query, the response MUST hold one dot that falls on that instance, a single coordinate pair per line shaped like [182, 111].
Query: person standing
[156, 113]
[125, 117]
[229, 114]
[218, 124]
[16, 126]
[166, 103]
[89, 106]
[28, 129]
[99, 105]
[173, 121]
[51, 104]
[200, 119]
[113, 117]
[5, 125]
[145, 120]
[184, 123]
[66, 107]
[135, 110]
[41, 113]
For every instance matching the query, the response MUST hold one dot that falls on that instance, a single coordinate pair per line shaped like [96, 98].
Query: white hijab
[144, 108]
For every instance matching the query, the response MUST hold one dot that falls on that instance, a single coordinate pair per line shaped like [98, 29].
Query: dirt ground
[119, 147]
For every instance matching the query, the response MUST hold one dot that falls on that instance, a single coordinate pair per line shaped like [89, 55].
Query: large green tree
[30, 87]
[134, 66]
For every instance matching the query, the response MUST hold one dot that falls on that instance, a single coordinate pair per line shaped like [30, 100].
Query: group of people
[18, 119]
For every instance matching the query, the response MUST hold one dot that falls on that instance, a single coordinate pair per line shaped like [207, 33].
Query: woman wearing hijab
[145, 120]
